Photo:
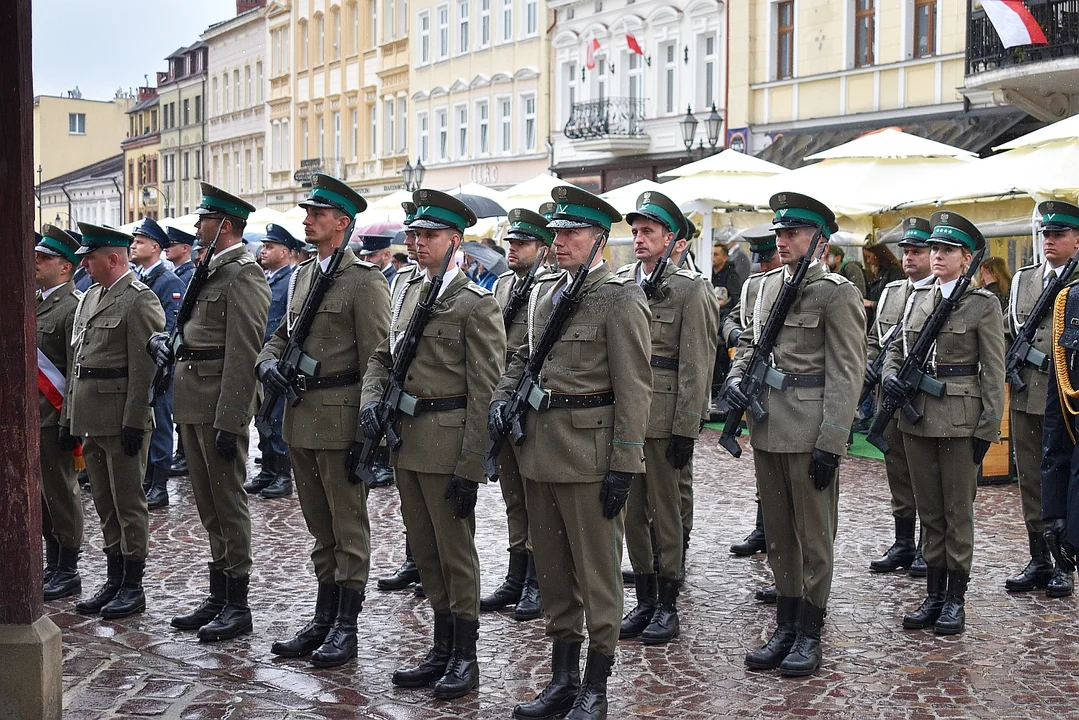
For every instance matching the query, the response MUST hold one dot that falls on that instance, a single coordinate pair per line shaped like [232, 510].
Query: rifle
[522, 289]
[654, 280]
[685, 255]
[912, 372]
[163, 375]
[1022, 351]
[527, 392]
[294, 360]
[759, 373]
[877, 365]
[394, 399]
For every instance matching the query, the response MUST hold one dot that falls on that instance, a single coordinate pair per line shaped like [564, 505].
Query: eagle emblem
[944, 217]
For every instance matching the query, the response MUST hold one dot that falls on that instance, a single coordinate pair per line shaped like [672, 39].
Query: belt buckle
[78, 368]
[301, 382]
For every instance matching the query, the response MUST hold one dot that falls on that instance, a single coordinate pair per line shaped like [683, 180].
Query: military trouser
[116, 484]
[161, 442]
[800, 522]
[274, 443]
[218, 485]
[513, 492]
[945, 482]
[578, 556]
[335, 511]
[899, 483]
[1026, 435]
[654, 498]
[685, 497]
[444, 547]
[61, 500]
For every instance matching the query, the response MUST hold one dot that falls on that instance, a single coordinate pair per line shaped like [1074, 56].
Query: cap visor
[1057, 227]
[87, 249]
[912, 242]
[790, 223]
[47, 250]
[424, 224]
[937, 240]
[563, 224]
[317, 203]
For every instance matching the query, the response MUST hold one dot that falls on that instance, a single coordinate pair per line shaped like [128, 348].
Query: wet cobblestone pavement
[1017, 659]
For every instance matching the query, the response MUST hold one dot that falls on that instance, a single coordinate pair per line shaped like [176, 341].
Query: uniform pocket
[592, 457]
[211, 305]
[803, 327]
[327, 319]
[582, 345]
[445, 341]
[210, 368]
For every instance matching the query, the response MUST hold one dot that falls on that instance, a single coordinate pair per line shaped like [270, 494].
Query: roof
[144, 103]
[102, 168]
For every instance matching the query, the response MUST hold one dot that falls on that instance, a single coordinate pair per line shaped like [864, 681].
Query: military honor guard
[178, 252]
[439, 465]
[905, 552]
[685, 324]
[1060, 241]
[274, 479]
[820, 352]
[55, 260]
[528, 238]
[946, 447]
[215, 396]
[581, 451]
[352, 320]
[106, 407]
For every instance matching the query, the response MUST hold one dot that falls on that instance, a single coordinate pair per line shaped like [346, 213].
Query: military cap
[438, 211]
[916, 232]
[329, 192]
[691, 230]
[528, 225]
[410, 212]
[374, 243]
[75, 234]
[762, 241]
[953, 229]
[179, 237]
[277, 234]
[1058, 215]
[216, 201]
[576, 208]
[98, 236]
[58, 243]
[796, 210]
[657, 207]
[547, 210]
[149, 228]
[37, 237]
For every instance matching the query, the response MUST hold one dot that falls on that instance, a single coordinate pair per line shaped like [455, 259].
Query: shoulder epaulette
[139, 285]
[308, 261]
[691, 274]
[479, 290]
[773, 271]
[896, 283]
[836, 278]
[983, 292]
[625, 268]
[1034, 266]
[618, 279]
[245, 258]
[365, 264]
[506, 274]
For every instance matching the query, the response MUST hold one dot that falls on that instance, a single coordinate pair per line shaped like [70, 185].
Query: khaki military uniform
[400, 280]
[684, 330]
[568, 451]
[1028, 407]
[350, 323]
[219, 394]
[110, 387]
[61, 501]
[458, 359]
[938, 448]
[822, 343]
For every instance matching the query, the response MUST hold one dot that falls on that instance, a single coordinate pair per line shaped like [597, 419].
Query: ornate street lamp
[406, 175]
[712, 125]
[689, 128]
[418, 174]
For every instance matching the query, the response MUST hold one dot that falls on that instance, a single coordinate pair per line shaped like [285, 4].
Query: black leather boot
[266, 475]
[1038, 572]
[234, 619]
[901, 554]
[936, 582]
[65, 580]
[755, 542]
[432, 667]
[1062, 584]
[281, 486]
[509, 592]
[557, 698]
[130, 599]
[340, 644]
[530, 606]
[805, 655]
[158, 496]
[179, 459]
[52, 558]
[407, 574]
[627, 577]
[115, 576]
[918, 568]
[779, 645]
[208, 608]
[381, 469]
[311, 636]
[767, 594]
[591, 700]
[664, 624]
[953, 616]
[462, 674]
[637, 619]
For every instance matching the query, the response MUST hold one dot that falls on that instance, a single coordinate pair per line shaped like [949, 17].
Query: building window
[354, 15]
[485, 23]
[443, 134]
[258, 83]
[462, 131]
[483, 123]
[424, 123]
[387, 19]
[355, 135]
[250, 171]
[225, 83]
[76, 123]
[337, 154]
[372, 11]
[668, 86]
[529, 106]
[925, 27]
[236, 89]
[505, 126]
[402, 19]
[286, 145]
[443, 32]
[425, 38]
[784, 39]
[531, 17]
[402, 125]
[305, 147]
[507, 20]
[635, 77]
[238, 173]
[387, 135]
[261, 171]
[198, 165]
[372, 148]
[464, 26]
[335, 27]
[275, 146]
[304, 47]
[707, 77]
[198, 108]
[187, 111]
[600, 79]
[320, 39]
[863, 32]
[569, 94]
[321, 137]
[248, 94]
[217, 100]
[187, 166]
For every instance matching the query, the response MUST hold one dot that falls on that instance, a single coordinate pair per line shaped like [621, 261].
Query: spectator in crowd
[995, 277]
[727, 285]
[847, 267]
[881, 267]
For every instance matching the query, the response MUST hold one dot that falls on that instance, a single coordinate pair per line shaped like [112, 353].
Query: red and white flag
[50, 381]
[633, 45]
[590, 54]
[1014, 23]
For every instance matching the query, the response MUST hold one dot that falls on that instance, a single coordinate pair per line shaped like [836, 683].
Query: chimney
[243, 6]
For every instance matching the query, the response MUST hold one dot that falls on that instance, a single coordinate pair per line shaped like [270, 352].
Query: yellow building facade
[142, 155]
[72, 132]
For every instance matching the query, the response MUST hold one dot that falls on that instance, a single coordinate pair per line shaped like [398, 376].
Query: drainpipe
[120, 192]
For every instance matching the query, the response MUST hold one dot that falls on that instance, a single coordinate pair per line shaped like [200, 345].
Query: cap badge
[944, 217]
[646, 199]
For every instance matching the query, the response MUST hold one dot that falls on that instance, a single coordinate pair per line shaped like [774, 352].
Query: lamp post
[147, 197]
[40, 222]
[712, 124]
[413, 176]
[689, 128]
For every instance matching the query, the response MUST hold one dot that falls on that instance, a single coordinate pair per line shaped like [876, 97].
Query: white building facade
[92, 194]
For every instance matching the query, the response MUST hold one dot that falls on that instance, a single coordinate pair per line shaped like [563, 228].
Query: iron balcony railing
[621, 117]
[1059, 20]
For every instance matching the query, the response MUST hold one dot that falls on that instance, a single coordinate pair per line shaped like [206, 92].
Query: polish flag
[1014, 23]
[633, 45]
[590, 54]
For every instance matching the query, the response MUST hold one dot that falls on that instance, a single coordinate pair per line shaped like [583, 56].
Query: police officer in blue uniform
[178, 252]
[275, 478]
[150, 239]
[376, 250]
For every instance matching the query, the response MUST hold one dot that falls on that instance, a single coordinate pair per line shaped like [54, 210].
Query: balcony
[614, 125]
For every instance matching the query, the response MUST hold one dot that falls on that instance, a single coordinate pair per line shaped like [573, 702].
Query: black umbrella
[482, 206]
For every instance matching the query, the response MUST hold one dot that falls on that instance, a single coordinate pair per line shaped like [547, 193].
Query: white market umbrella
[481, 190]
[891, 143]
[727, 162]
[533, 192]
[624, 199]
[1066, 130]
[264, 216]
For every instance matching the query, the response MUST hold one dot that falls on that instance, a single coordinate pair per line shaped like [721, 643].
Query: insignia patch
[646, 199]
[560, 191]
[782, 199]
[944, 217]
[561, 209]
[1051, 206]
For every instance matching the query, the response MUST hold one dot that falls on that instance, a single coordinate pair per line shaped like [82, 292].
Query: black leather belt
[665, 363]
[91, 373]
[305, 383]
[201, 354]
[954, 370]
[440, 404]
[797, 380]
[577, 402]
